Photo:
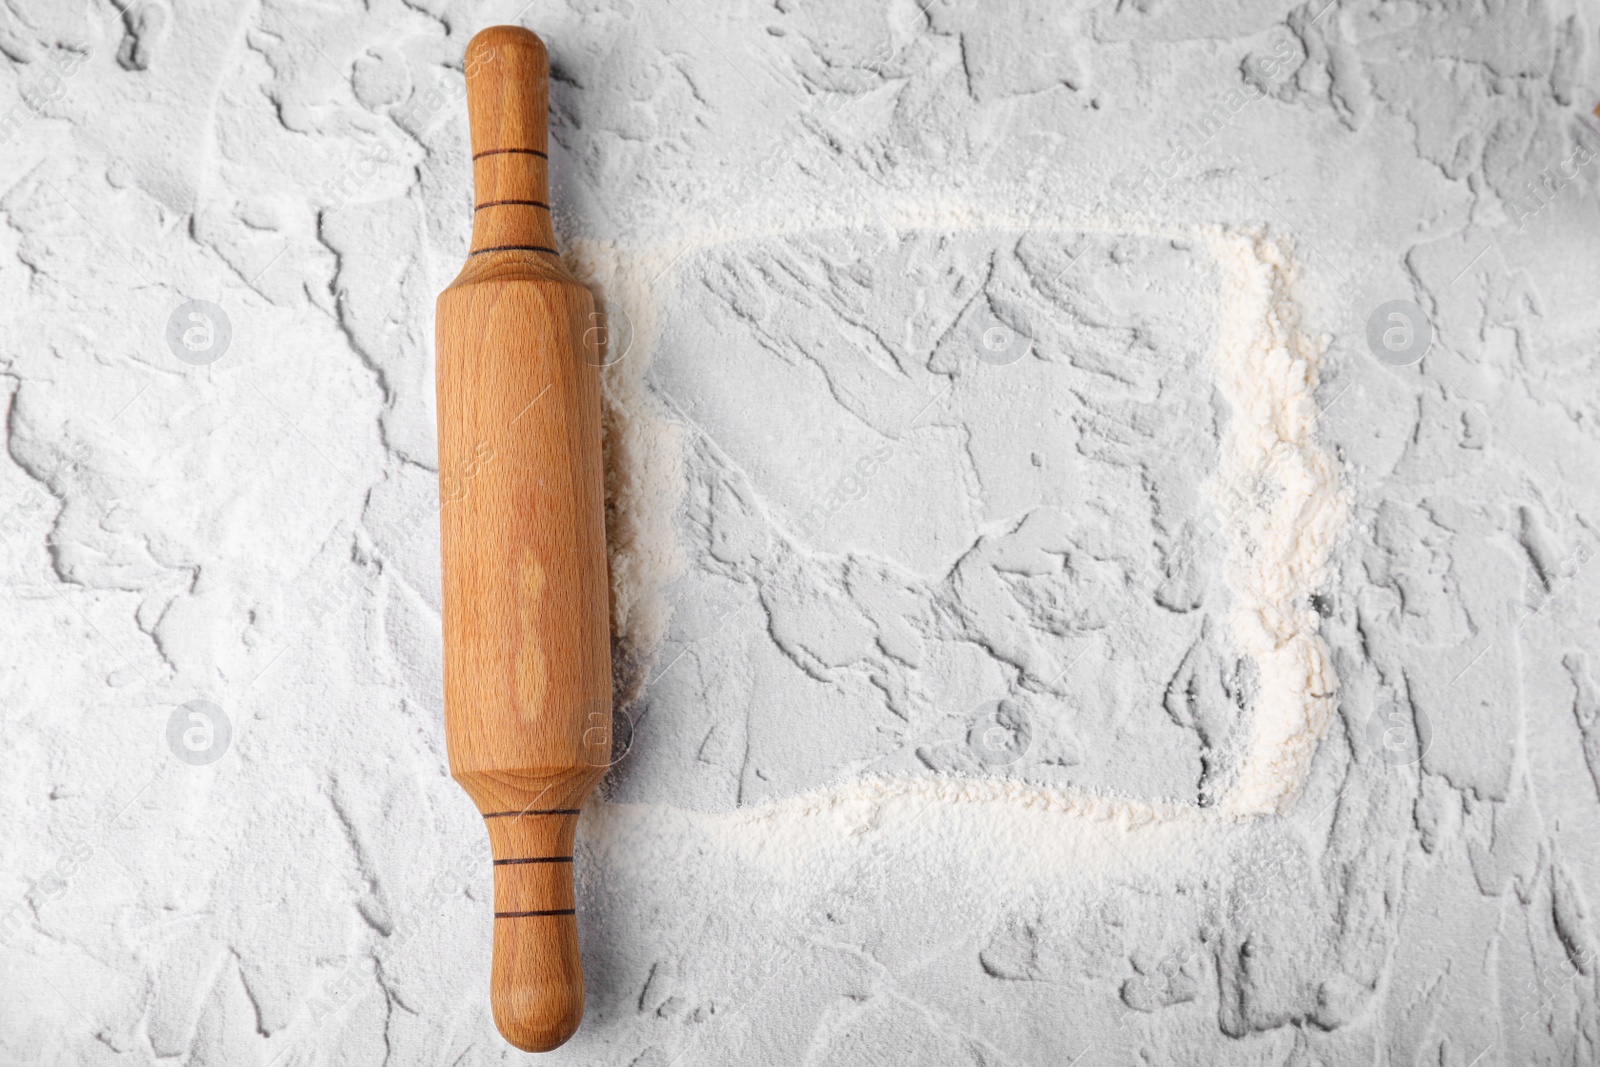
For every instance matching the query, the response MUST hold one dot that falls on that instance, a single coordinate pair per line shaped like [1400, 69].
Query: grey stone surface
[1101, 505]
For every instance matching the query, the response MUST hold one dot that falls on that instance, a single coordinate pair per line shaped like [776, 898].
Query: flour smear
[1278, 496]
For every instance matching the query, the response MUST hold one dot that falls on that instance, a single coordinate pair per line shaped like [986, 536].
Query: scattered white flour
[1280, 491]
[644, 474]
[1278, 496]
[835, 533]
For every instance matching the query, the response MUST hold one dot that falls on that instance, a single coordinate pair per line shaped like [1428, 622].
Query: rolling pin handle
[508, 102]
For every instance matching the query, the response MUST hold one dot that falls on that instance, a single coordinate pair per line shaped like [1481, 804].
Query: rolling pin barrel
[522, 532]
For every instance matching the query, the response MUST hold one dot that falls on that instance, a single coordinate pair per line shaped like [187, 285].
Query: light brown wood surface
[522, 525]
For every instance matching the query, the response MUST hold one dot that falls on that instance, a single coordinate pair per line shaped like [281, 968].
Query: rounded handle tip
[508, 88]
[512, 41]
[536, 987]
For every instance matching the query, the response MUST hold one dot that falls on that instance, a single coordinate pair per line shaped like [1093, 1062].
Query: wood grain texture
[522, 527]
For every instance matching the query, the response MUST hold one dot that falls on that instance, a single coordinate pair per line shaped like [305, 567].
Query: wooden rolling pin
[527, 660]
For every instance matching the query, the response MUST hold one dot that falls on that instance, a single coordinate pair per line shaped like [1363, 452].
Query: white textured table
[1103, 499]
